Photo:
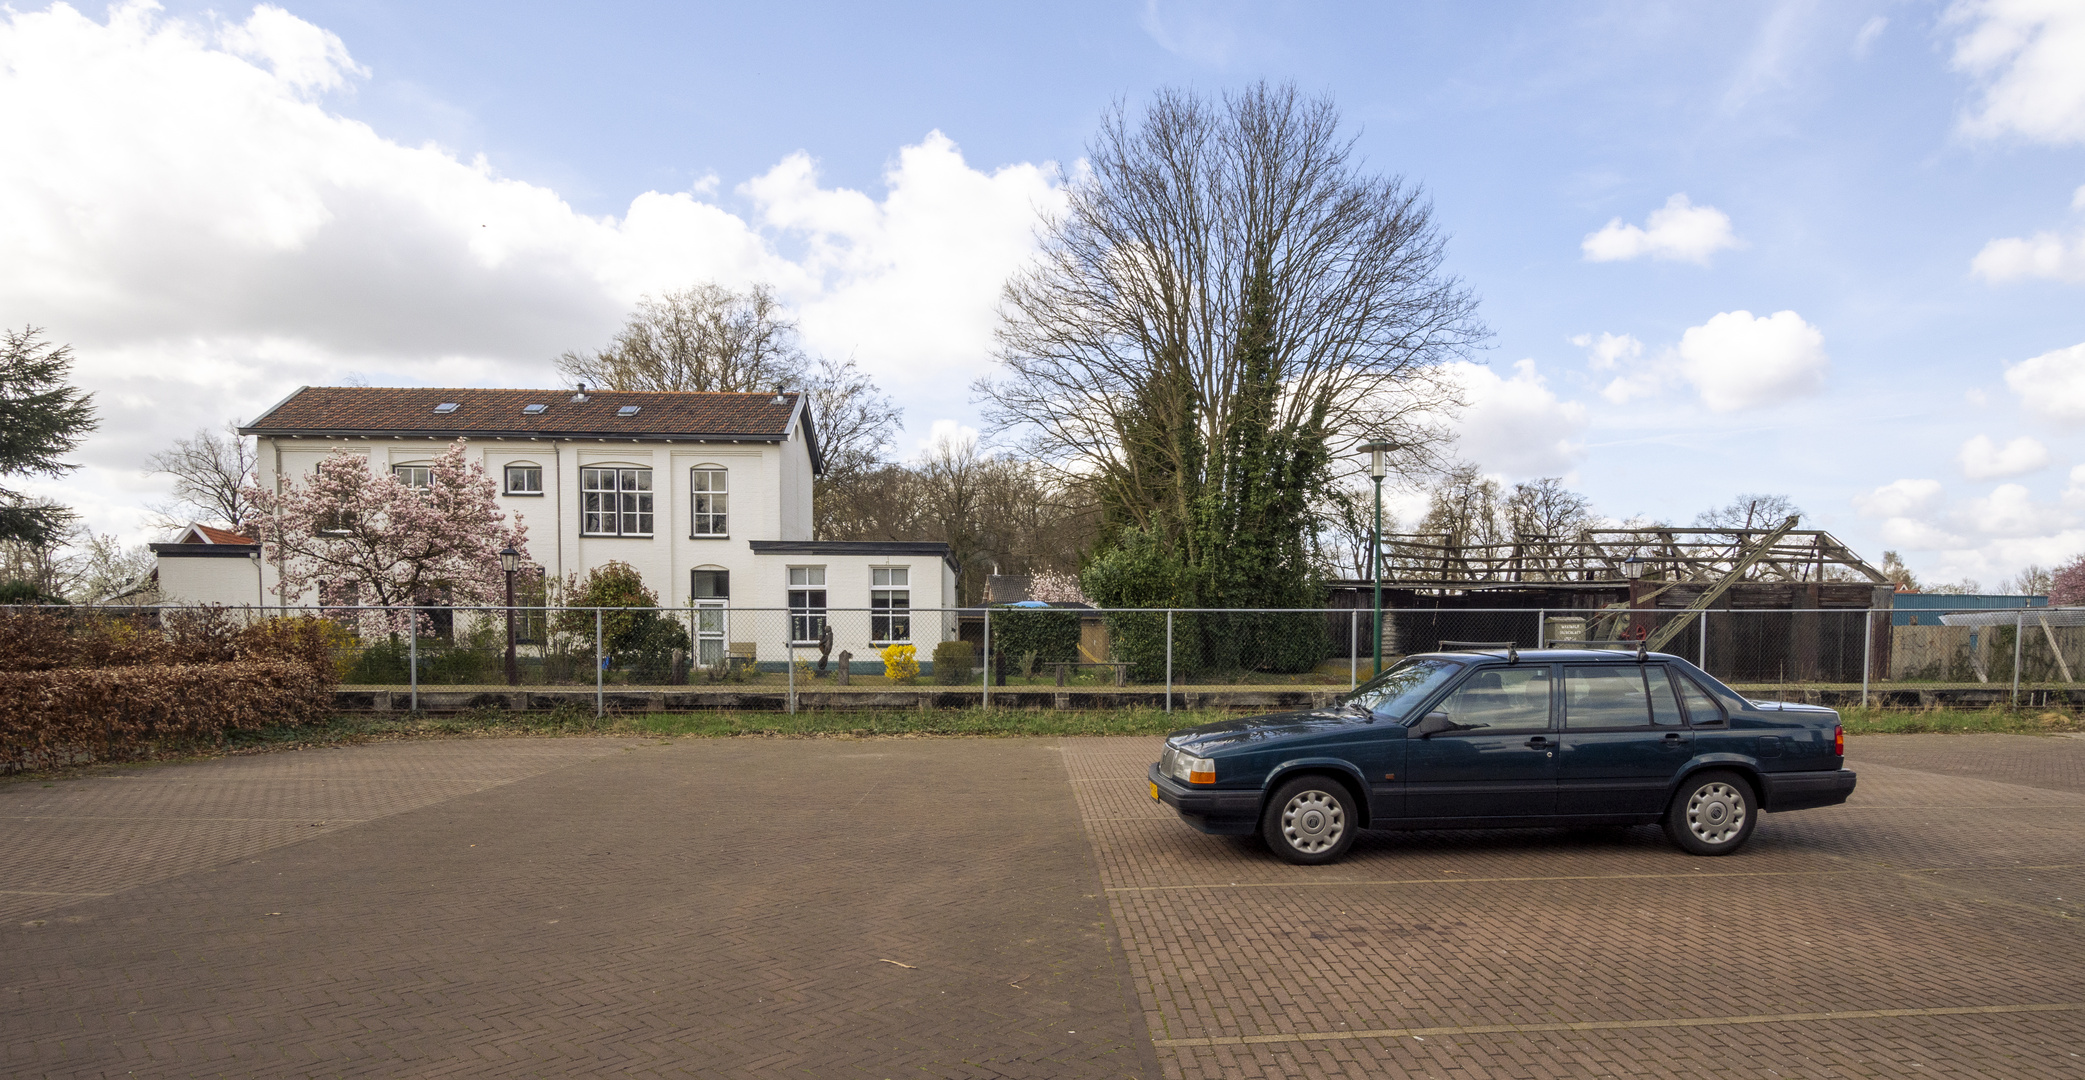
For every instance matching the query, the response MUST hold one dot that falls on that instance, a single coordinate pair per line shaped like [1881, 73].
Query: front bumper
[1223, 813]
[1807, 790]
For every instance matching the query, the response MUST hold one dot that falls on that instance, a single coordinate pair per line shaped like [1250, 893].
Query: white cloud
[1517, 426]
[184, 210]
[2010, 512]
[2043, 255]
[1608, 351]
[1738, 361]
[1869, 31]
[2052, 385]
[2028, 59]
[1677, 231]
[953, 434]
[1982, 459]
[1899, 498]
[1199, 30]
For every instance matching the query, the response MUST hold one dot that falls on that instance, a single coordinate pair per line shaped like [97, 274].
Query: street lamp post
[1377, 469]
[1632, 572]
[510, 561]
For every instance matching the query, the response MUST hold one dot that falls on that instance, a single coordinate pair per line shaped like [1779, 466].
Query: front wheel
[1713, 813]
[1310, 820]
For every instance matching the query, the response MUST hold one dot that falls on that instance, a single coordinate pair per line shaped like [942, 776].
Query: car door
[1498, 762]
[1623, 739]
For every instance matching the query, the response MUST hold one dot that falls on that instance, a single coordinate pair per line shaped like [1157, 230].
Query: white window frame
[807, 616]
[890, 605]
[417, 477]
[624, 508]
[709, 505]
[507, 477]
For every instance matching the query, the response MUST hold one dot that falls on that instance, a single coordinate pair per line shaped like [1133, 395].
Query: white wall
[191, 579]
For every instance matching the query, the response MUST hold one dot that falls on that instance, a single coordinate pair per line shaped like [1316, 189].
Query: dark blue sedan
[1497, 738]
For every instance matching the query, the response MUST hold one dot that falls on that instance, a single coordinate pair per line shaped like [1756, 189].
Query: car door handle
[1538, 742]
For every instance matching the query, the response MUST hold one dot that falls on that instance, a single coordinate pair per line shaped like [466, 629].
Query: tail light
[1839, 739]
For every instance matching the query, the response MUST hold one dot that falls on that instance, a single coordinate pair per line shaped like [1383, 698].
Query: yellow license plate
[1154, 791]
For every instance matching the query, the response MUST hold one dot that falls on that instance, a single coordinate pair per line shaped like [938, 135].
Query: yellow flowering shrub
[900, 663]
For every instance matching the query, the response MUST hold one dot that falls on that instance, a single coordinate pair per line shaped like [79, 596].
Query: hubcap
[1313, 821]
[1716, 813]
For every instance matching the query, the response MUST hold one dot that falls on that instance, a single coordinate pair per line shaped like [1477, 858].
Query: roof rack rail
[1512, 648]
[1641, 646]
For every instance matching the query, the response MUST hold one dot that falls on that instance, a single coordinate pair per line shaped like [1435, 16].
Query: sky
[1834, 250]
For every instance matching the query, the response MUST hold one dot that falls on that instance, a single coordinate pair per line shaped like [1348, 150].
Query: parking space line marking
[1588, 877]
[1615, 1025]
[40, 892]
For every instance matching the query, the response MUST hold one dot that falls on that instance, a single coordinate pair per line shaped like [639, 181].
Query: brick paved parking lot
[1929, 927]
[546, 907]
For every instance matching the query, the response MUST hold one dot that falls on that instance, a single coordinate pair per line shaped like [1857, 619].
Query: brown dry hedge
[101, 687]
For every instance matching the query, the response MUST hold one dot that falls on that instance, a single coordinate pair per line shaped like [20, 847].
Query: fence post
[1542, 628]
[1867, 650]
[1354, 649]
[412, 652]
[1701, 649]
[1169, 660]
[2019, 631]
[986, 660]
[789, 664]
[600, 666]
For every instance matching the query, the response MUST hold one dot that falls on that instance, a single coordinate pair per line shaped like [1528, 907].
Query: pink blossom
[357, 536]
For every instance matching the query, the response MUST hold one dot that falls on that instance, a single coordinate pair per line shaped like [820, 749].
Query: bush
[900, 663]
[955, 663]
[1052, 635]
[59, 715]
[651, 660]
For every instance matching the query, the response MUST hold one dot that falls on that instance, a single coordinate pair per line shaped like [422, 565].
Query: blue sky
[218, 204]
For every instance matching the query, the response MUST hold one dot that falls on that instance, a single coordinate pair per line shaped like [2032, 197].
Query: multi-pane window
[806, 603]
[414, 476]
[615, 502]
[890, 604]
[524, 480]
[707, 490]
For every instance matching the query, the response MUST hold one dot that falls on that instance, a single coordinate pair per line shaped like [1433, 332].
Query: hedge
[1052, 635]
[62, 715]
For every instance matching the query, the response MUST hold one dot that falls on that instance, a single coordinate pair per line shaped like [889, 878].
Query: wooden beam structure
[1670, 555]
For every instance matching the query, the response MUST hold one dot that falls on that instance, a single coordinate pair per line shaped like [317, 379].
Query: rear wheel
[1713, 813]
[1310, 820]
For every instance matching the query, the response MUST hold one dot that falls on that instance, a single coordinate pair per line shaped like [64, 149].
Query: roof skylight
[445, 407]
[533, 409]
[627, 410]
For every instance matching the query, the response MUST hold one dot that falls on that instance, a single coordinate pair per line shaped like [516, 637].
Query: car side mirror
[1433, 724]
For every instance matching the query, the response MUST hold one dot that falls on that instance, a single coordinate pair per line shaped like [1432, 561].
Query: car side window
[1665, 702]
[1609, 696]
[1701, 708]
[1497, 701]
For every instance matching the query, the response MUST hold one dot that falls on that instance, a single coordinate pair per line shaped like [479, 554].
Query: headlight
[1188, 768]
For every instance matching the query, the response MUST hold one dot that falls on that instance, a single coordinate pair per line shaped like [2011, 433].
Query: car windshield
[1399, 690]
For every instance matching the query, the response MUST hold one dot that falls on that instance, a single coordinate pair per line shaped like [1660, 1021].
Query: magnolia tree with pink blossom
[2067, 585]
[357, 536]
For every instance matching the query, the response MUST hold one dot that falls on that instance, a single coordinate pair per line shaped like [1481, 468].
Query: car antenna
[1643, 651]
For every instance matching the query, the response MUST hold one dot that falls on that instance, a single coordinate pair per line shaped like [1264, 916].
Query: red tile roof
[410, 411]
[221, 536]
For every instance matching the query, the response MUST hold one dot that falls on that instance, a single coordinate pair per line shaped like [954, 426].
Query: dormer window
[627, 410]
[445, 407]
[533, 409]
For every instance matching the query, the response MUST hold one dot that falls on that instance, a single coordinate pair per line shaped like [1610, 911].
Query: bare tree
[2032, 580]
[1345, 521]
[210, 471]
[1750, 511]
[1467, 507]
[857, 426]
[1894, 569]
[1545, 507]
[1120, 349]
[705, 337]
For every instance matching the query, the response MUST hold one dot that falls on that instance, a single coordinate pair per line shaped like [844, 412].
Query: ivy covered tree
[352, 535]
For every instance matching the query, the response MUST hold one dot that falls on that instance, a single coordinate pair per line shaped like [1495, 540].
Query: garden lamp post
[1632, 572]
[1377, 469]
[510, 561]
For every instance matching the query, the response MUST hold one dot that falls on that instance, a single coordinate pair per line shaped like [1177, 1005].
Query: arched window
[615, 501]
[524, 478]
[707, 492]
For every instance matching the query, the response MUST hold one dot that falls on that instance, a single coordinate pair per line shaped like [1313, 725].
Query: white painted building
[707, 495]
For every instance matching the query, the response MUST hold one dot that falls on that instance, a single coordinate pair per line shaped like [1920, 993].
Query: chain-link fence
[718, 645]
